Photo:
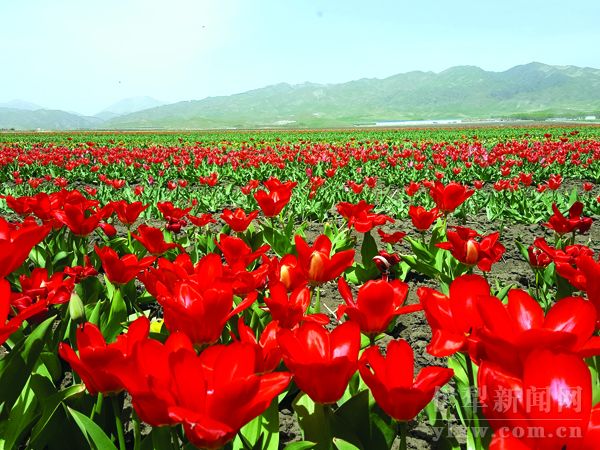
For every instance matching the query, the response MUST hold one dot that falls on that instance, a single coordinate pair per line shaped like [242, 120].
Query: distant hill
[20, 104]
[130, 105]
[534, 91]
[45, 119]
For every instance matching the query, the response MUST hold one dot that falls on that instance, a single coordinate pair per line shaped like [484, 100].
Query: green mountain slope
[45, 119]
[460, 92]
[533, 90]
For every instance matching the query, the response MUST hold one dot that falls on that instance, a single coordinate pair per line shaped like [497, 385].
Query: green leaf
[523, 250]
[368, 250]
[300, 445]
[19, 420]
[502, 293]
[160, 438]
[354, 414]
[58, 257]
[458, 364]
[314, 421]
[431, 412]
[116, 316]
[50, 406]
[17, 366]
[92, 432]
[344, 445]
[52, 363]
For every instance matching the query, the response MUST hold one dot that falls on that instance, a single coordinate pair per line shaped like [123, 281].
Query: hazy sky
[83, 55]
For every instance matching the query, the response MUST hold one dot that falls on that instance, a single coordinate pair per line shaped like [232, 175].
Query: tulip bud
[76, 309]
[472, 253]
[108, 229]
[537, 258]
[385, 261]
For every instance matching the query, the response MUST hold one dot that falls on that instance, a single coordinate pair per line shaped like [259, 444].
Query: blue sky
[83, 55]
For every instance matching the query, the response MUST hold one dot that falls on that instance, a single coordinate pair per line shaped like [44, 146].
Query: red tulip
[412, 188]
[79, 273]
[128, 213]
[153, 240]
[201, 306]
[237, 220]
[121, 270]
[287, 271]
[526, 178]
[561, 225]
[385, 261]
[20, 205]
[8, 327]
[276, 199]
[377, 304]
[171, 212]
[464, 247]
[289, 311]
[553, 394]
[201, 221]
[249, 187]
[322, 362]
[370, 181]
[360, 216]
[537, 258]
[317, 262]
[449, 197]
[267, 348]
[54, 289]
[237, 253]
[15, 244]
[210, 180]
[99, 362]
[79, 219]
[147, 375]
[392, 238]
[454, 319]
[510, 332]
[220, 391]
[566, 259]
[168, 273]
[421, 218]
[356, 188]
[590, 271]
[554, 182]
[392, 383]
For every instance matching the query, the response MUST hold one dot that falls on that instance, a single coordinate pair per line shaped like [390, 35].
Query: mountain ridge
[533, 90]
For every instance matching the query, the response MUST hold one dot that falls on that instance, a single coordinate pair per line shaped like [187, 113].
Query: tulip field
[352, 289]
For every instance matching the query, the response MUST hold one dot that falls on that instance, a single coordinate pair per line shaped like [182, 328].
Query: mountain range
[530, 91]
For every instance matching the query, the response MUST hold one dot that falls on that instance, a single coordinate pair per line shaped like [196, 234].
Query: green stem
[118, 422]
[97, 406]
[402, 432]
[318, 299]
[137, 434]
[473, 404]
[174, 438]
[372, 340]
